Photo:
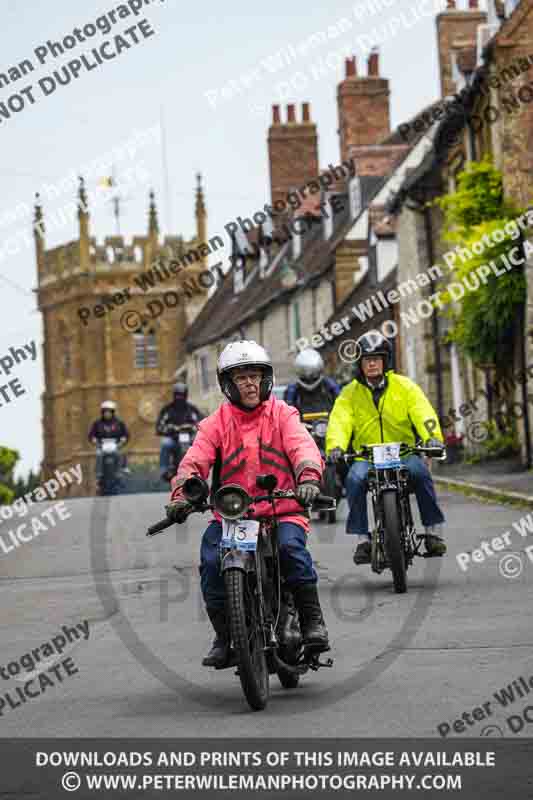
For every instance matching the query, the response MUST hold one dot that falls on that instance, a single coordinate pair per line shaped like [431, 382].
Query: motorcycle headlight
[195, 490]
[232, 501]
[320, 427]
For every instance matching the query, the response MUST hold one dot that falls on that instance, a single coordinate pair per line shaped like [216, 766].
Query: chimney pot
[306, 113]
[290, 113]
[351, 69]
[276, 119]
[373, 64]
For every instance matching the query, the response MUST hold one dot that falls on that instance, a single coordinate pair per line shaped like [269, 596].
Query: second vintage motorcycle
[394, 540]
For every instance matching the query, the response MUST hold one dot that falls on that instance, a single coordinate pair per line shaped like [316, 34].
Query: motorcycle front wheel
[393, 541]
[330, 489]
[247, 639]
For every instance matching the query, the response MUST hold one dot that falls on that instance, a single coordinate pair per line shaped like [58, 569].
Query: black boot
[314, 631]
[218, 655]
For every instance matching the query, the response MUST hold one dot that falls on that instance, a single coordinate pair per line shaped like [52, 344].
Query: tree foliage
[483, 322]
[8, 460]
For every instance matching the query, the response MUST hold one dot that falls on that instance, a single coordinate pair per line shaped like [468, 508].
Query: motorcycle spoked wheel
[393, 541]
[247, 639]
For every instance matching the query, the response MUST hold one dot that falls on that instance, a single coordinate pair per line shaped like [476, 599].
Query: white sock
[359, 538]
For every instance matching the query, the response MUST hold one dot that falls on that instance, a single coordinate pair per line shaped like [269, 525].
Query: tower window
[146, 350]
[67, 358]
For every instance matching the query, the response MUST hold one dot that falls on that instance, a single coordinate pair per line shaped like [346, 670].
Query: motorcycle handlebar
[320, 500]
[439, 454]
[159, 526]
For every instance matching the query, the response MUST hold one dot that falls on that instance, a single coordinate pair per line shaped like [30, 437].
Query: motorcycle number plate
[184, 438]
[109, 447]
[386, 455]
[241, 534]
[320, 429]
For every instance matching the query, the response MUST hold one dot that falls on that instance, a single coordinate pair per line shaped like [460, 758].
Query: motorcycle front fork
[411, 543]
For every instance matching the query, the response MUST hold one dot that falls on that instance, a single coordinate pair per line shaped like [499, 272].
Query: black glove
[307, 493]
[178, 511]
[336, 454]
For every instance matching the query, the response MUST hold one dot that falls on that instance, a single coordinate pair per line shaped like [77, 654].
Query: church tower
[114, 316]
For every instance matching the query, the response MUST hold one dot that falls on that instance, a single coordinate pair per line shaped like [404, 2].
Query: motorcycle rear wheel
[393, 541]
[247, 640]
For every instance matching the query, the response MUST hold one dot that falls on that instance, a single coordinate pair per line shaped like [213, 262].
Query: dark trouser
[356, 489]
[295, 561]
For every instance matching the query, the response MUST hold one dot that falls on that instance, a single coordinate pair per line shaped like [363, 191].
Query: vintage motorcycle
[317, 425]
[183, 436]
[264, 625]
[110, 481]
[394, 540]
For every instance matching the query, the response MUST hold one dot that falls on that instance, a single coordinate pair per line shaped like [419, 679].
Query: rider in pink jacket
[269, 438]
[252, 434]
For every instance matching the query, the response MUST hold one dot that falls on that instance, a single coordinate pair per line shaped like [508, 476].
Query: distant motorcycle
[110, 481]
[183, 436]
[331, 485]
[394, 540]
[264, 625]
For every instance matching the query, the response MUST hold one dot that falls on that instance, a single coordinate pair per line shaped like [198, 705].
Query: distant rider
[381, 406]
[313, 391]
[252, 433]
[179, 412]
[109, 426]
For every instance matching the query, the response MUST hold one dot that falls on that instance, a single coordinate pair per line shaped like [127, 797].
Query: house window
[238, 279]
[146, 350]
[296, 318]
[204, 373]
[355, 197]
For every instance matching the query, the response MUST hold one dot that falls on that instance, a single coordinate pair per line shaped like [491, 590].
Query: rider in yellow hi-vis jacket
[381, 406]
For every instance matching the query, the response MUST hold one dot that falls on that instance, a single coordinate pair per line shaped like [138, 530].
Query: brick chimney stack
[456, 30]
[292, 151]
[363, 108]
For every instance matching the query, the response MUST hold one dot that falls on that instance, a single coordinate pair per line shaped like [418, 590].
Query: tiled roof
[225, 311]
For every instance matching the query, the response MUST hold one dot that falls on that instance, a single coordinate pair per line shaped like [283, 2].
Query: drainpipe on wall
[435, 327]
[523, 366]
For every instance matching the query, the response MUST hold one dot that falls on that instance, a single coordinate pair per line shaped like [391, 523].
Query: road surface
[404, 664]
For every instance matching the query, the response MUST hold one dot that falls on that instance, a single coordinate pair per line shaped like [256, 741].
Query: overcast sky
[197, 48]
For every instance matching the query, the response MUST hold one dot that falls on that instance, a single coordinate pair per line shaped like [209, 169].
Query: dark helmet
[180, 390]
[244, 354]
[372, 343]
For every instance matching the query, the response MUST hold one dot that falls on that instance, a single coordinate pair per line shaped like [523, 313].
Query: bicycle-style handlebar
[438, 453]
[279, 494]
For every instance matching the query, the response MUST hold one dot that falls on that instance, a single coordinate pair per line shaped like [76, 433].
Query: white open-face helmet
[309, 367]
[244, 354]
[108, 405]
